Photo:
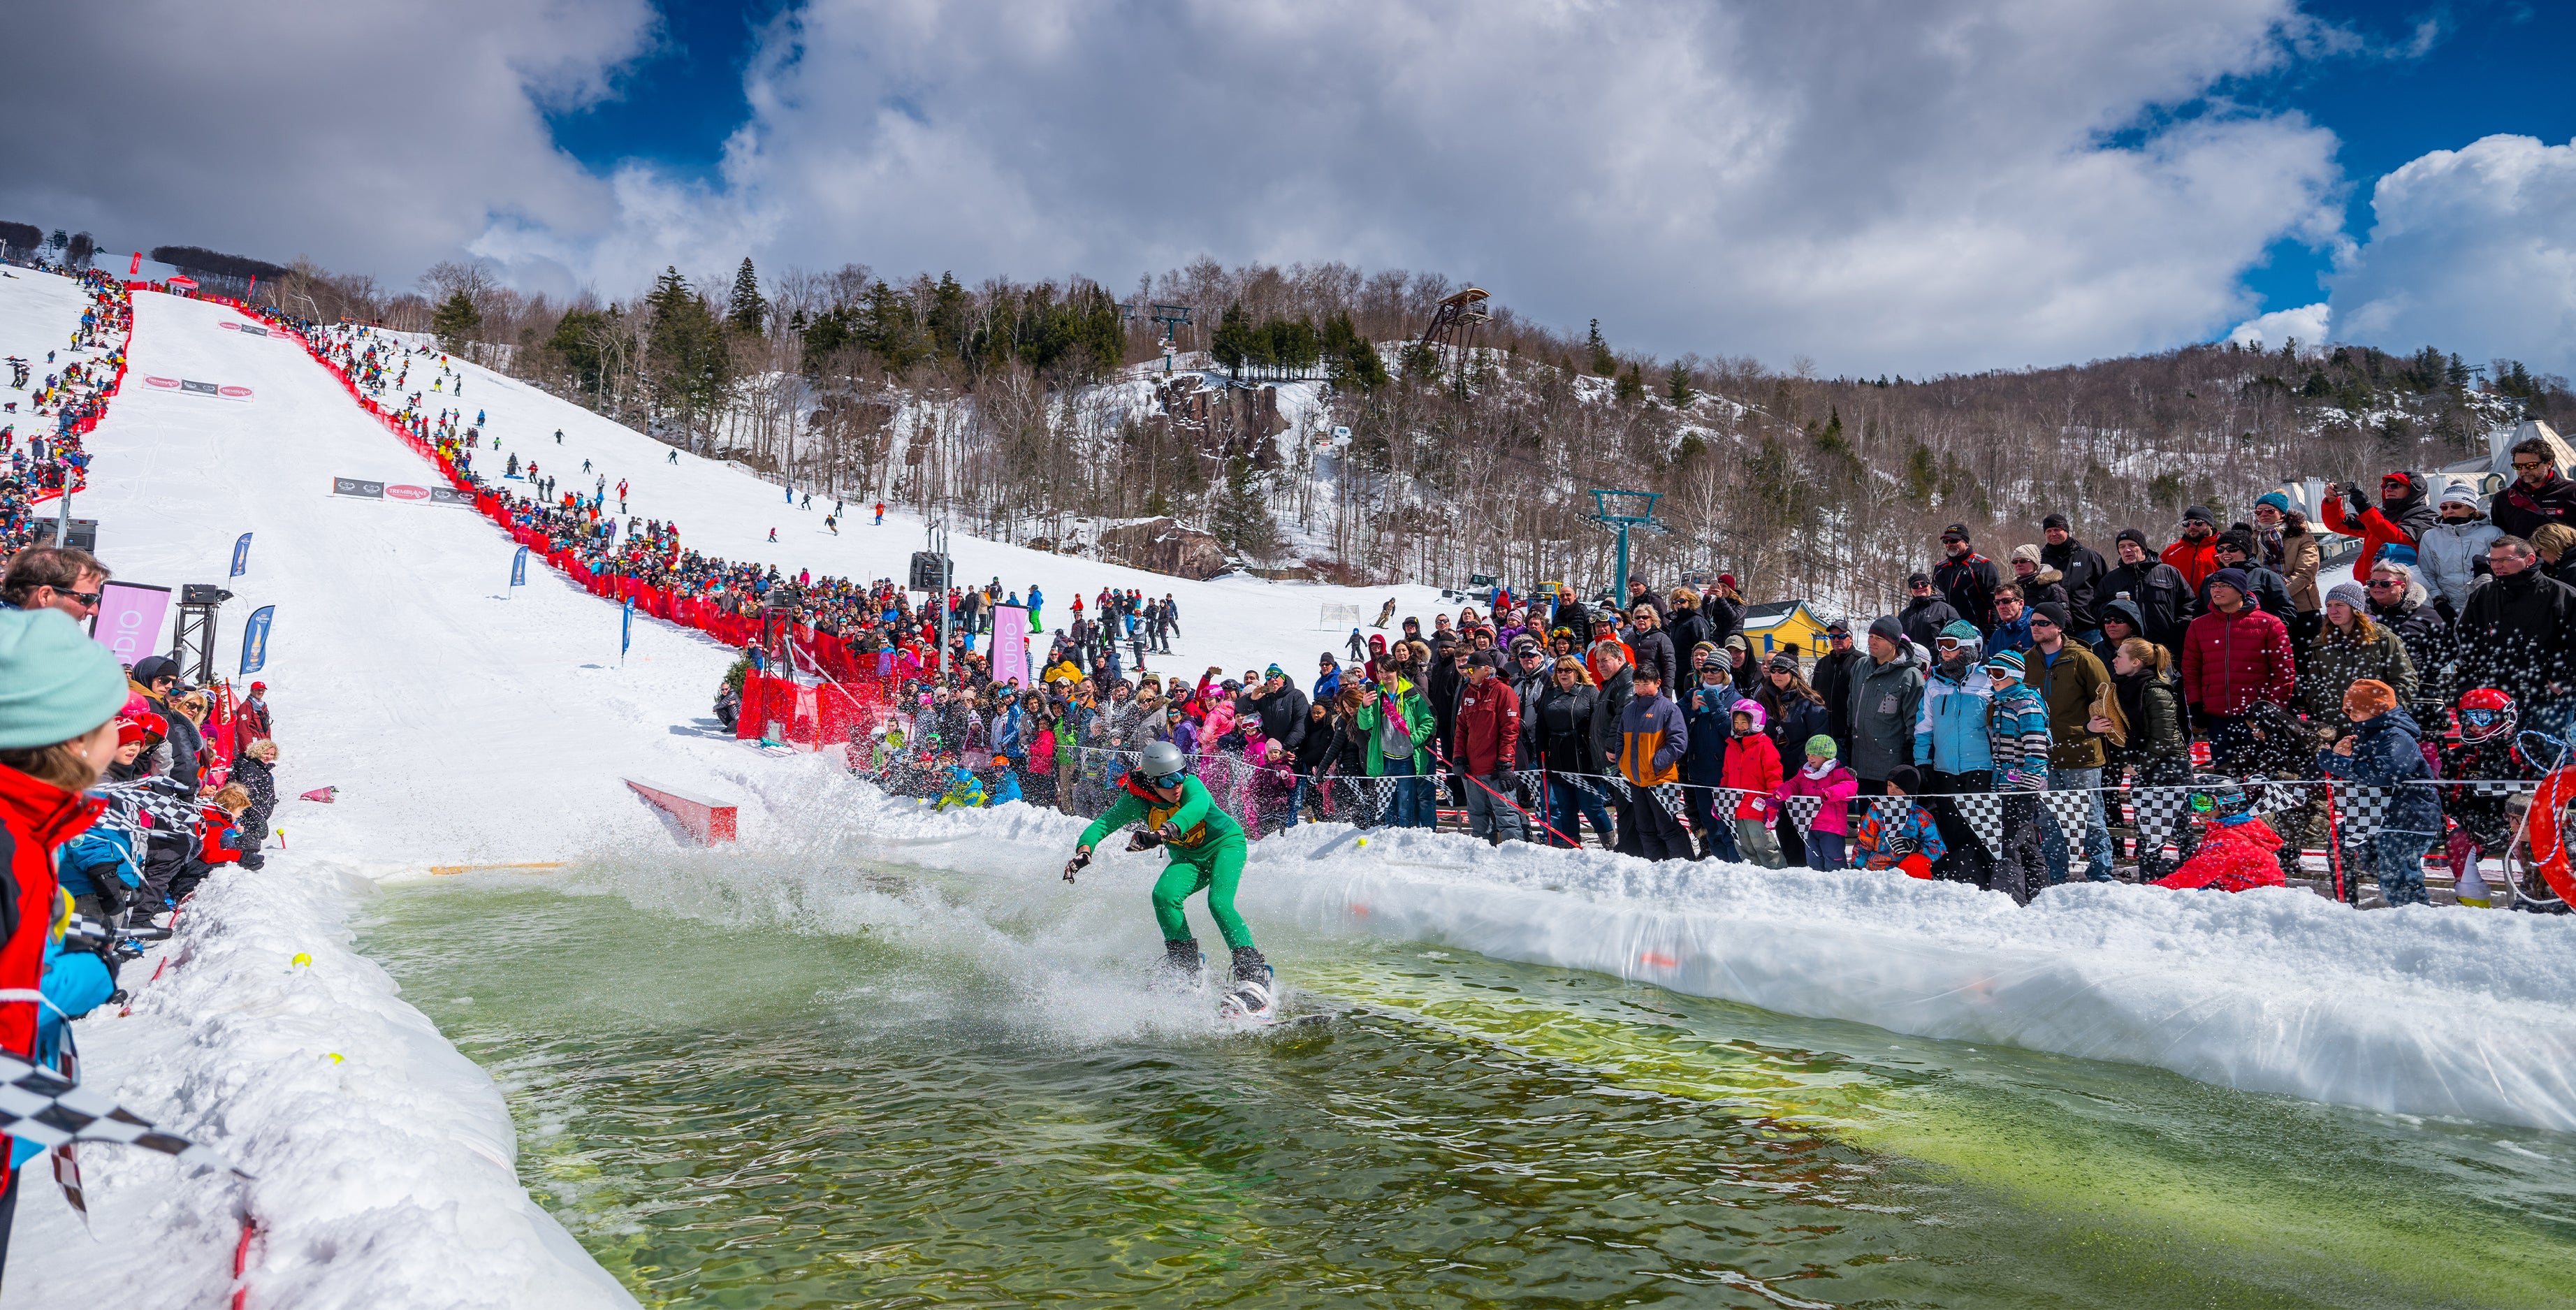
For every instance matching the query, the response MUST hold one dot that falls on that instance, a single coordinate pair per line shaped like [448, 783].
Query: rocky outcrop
[1164, 546]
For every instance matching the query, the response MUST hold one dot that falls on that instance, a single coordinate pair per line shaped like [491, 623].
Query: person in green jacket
[1400, 728]
[1206, 848]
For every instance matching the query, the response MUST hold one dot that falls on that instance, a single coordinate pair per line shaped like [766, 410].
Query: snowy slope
[1237, 623]
[38, 313]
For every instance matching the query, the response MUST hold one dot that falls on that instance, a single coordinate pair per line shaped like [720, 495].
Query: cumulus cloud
[2307, 324]
[2473, 250]
[1881, 185]
[1886, 186]
[375, 137]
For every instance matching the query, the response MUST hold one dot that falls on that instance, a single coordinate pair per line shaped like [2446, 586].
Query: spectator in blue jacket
[1952, 749]
[2385, 749]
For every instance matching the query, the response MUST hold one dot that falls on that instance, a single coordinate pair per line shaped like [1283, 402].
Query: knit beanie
[55, 683]
[2198, 513]
[2054, 612]
[2275, 499]
[2236, 579]
[1964, 633]
[2368, 699]
[1820, 744]
[2459, 490]
[2350, 593]
[2005, 664]
[1906, 778]
[2026, 551]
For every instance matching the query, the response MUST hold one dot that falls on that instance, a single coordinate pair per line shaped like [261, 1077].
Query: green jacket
[2333, 666]
[1203, 826]
[2069, 685]
[1415, 715]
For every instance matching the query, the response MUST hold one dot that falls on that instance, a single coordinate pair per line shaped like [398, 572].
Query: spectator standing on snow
[2159, 592]
[2400, 518]
[1925, 613]
[1652, 740]
[2232, 658]
[2080, 569]
[2071, 681]
[1484, 745]
[251, 720]
[2453, 551]
[2538, 496]
[2193, 554]
[1967, 579]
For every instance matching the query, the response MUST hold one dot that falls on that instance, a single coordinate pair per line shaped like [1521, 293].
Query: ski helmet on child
[1164, 764]
[2216, 797]
[2485, 714]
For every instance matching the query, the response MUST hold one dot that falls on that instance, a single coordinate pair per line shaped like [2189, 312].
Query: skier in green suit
[1206, 847]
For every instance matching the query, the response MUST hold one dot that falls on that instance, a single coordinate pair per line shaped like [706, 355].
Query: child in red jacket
[2237, 852]
[1753, 766]
[218, 839]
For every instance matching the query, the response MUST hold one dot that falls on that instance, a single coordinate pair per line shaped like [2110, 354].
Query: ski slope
[465, 725]
[1234, 622]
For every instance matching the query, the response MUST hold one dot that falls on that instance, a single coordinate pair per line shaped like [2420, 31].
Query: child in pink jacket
[1826, 779]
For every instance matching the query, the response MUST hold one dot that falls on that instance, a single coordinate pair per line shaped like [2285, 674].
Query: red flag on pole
[136, 266]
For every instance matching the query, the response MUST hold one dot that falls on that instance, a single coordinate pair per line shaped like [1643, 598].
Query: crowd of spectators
[58, 410]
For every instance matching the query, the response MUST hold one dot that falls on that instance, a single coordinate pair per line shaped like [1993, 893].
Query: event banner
[192, 387]
[255, 640]
[404, 492]
[519, 568]
[1011, 645]
[129, 619]
[241, 555]
[245, 329]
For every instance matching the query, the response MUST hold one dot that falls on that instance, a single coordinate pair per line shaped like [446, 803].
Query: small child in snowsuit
[1909, 845]
[1753, 767]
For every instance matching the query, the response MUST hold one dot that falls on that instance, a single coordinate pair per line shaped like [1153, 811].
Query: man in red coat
[251, 721]
[2233, 658]
[1484, 738]
[2195, 554]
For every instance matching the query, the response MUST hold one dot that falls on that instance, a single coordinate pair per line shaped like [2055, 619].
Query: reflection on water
[909, 1096]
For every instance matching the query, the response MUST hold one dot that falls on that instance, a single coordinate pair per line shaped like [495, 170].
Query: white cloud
[1891, 187]
[2473, 250]
[376, 137]
[1881, 186]
[2306, 324]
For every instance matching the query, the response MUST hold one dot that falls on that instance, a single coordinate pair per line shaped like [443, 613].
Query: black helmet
[2215, 796]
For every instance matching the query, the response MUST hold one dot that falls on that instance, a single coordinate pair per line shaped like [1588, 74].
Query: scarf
[1817, 772]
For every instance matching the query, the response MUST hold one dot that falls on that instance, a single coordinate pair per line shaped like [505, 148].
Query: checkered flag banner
[2361, 812]
[1984, 811]
[1381, 793]
[136, 808]
[1888, 810]
[2493, 786]
[1803, 810]
[2073, 811]
[2159, 809]
[40, 1106]
[1669, 795]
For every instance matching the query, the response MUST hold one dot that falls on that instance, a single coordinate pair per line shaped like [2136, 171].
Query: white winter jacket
[2448, 554]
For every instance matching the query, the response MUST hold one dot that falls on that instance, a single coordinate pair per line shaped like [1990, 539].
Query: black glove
[1144, 840]
[1898, 847]
[1081, 859]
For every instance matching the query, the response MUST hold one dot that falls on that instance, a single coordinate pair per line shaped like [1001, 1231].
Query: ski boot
[1181, 959]
[1250, 996]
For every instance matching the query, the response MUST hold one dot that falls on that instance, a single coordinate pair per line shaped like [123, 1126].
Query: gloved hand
[1897, 847]
[1143, 840]
[2023, 780]
[1081, 859]
[1171, 832]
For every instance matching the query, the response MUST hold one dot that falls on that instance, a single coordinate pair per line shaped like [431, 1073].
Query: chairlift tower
[1173, 318]
[1624, 512]
[1454, 325]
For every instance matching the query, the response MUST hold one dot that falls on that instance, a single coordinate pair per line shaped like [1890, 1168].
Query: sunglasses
[2037, 623]
[86, 598]
[1842, 636]
[2381, 584]
[2528, 466]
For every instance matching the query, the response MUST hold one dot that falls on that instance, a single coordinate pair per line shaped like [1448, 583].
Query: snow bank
[381, 1159]
[2415, 1010]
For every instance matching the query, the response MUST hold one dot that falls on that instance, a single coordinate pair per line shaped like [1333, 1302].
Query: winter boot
[1182, 957]
[1248, 964]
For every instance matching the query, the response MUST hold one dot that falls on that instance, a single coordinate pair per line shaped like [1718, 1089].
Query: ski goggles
[2480, 718]
[1166, 779]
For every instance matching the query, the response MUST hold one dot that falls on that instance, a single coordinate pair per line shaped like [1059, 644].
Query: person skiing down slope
[1206, 848]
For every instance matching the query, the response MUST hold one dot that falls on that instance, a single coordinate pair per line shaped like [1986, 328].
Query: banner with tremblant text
[129, 619]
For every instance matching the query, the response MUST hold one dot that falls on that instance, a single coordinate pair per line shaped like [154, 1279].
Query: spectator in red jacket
[2233, 658]
[2404, 511]
[251, 721]
[1483, 739]
[2195, 554]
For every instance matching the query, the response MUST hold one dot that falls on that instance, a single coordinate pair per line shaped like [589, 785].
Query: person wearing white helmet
[1206, 848]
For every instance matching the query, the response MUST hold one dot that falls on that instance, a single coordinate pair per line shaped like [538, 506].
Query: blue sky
[2494, 66]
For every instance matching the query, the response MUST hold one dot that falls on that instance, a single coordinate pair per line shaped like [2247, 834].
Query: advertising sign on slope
[246, 329]
[192, 387]
[377, 489]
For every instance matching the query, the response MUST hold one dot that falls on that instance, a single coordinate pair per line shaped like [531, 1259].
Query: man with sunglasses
[1832, 680]
[2539, 494]
[1206, 849]
[54, 578]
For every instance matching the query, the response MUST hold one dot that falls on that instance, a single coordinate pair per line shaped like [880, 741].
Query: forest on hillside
[1014, 409]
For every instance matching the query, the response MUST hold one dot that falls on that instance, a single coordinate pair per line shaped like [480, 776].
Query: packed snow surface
[466, 723]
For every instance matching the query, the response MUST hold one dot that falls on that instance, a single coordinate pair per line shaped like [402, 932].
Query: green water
[889, 1087]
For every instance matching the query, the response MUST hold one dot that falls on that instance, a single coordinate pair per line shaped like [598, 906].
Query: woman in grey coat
[1886, 691]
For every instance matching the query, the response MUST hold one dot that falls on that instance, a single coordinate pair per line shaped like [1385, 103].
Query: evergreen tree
[952, 321]
[1232, 344]
[1242, 518]
[576, 338]
[1921, 474]
[456, 321]
[1604, 364]
[1351, 357]
[1677, 387]
[749, 313]
[1632, 386]
[1832, 438]
[686, 355]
